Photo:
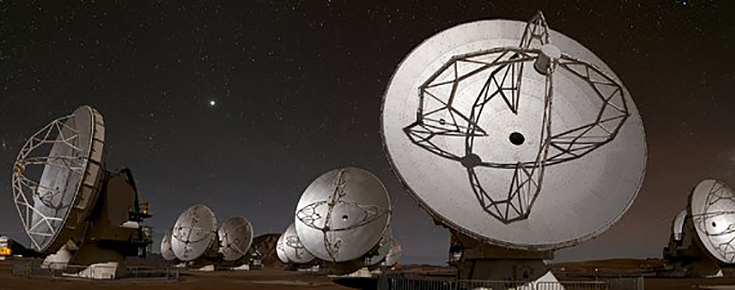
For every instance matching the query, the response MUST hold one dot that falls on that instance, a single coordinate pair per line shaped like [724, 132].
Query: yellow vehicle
[5, 247]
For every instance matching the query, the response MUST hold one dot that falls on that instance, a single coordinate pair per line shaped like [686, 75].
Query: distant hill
[266, 245]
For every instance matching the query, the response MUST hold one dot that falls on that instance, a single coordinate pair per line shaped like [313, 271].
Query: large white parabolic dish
[194, 233]
[542, 165]
[712, 206]
[235, 236]
[293, 248]
[56, 178]
[342, 214]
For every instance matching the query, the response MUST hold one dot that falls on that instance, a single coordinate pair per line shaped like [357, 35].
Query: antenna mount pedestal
[481, 261]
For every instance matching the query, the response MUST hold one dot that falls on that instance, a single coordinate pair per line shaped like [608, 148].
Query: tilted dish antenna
[54, 207]
[194, 234]
[293, 247]
[236, 237]
[514, 134]
[166, 252]
[73, 210]
[712, 207]
[342, 214]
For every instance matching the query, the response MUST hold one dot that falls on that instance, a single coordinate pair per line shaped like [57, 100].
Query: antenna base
[90, 261]
[480, 261]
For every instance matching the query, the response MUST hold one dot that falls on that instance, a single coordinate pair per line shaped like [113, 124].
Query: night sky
[239, 105]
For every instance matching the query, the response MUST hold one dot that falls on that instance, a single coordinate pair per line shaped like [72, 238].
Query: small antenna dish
[677, 227]
[342, 214]
[281, 249]
[712, 206]
[166, 252]
[293, 247]
[235, 236]
[384, 247]
[194, 234]
[394, 256]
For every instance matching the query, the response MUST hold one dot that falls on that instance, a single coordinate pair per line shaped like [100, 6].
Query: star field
[239, 105]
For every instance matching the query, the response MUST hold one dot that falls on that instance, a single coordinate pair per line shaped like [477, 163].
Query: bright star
[212, 103]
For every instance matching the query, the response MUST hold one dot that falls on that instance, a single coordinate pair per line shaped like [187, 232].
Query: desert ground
[245, 280]
[276, 279]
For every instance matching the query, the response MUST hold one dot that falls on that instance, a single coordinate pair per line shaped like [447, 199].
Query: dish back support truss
[439, 116]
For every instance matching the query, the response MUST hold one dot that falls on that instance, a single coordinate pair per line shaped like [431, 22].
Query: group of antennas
[514, 136]
[342, 219]
[703, 235]
[196, 241]
[341, 223]
[77, 213]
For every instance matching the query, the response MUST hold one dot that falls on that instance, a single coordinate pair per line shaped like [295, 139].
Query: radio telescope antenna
[513, 135]
[677, 226]
[342, 214]
[53, 209]
[59, 180]
[712, 207]
[703, 235]
[235, 236]
[384, 247]
[293, 248]
[194, 234]
[281, 249]
[166, 252]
